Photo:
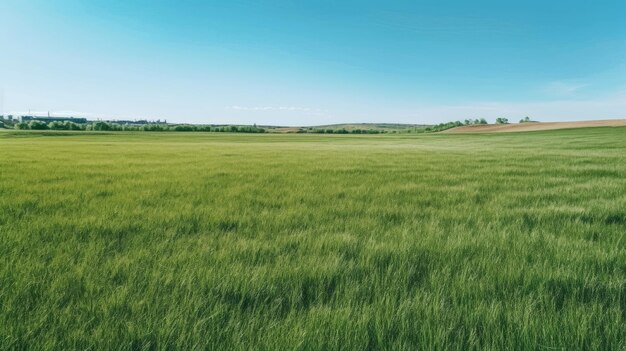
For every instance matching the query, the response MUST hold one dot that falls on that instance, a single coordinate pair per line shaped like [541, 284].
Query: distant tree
[1, 124]
[249, 129]
[443, 126]
[57, 126]
[482, 121]
[37, 125]
[184, 128]
[525, 120]
[22, 125]
[72, 126]
[101, 126]
[154, 127]
[131, 128]
[502, 120]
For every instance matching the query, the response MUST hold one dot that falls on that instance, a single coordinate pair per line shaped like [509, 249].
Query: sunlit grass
[209, 241]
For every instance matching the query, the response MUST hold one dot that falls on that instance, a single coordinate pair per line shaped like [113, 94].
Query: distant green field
[313, 242]
[351, 127]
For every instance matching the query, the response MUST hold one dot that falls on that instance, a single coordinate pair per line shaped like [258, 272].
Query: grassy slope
[217, 241]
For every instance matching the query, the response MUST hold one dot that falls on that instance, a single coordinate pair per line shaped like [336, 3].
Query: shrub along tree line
[108, 126]
[526, 120]
[443, 126]
[341, 131]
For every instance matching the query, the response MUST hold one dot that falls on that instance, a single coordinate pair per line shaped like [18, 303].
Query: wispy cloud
[563, 88]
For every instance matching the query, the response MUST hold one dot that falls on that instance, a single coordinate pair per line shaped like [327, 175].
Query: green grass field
[313, 242]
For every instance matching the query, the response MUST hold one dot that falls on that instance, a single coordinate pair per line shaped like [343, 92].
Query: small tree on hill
[525, 120]
[480, 121]
[502, 120]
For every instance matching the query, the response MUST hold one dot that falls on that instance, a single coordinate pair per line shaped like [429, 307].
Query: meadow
[138, 241]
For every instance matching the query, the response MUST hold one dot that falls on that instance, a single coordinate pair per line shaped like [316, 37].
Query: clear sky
[314, 62]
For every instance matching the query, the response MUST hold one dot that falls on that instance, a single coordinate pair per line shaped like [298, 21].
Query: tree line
[161, 127]
[468, 122]
[448, 125]
[340, 131]
[109, 126]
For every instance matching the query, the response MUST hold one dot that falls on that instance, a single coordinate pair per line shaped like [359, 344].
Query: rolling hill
[535, 126]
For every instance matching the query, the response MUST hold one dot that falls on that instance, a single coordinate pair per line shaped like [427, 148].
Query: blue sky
[314, 62]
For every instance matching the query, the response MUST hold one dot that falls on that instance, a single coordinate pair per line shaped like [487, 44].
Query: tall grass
[282, 242]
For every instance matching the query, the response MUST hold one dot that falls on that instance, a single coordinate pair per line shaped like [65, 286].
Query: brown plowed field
[535, 126]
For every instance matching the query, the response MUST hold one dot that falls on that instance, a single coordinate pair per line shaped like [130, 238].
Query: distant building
[54, 119]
